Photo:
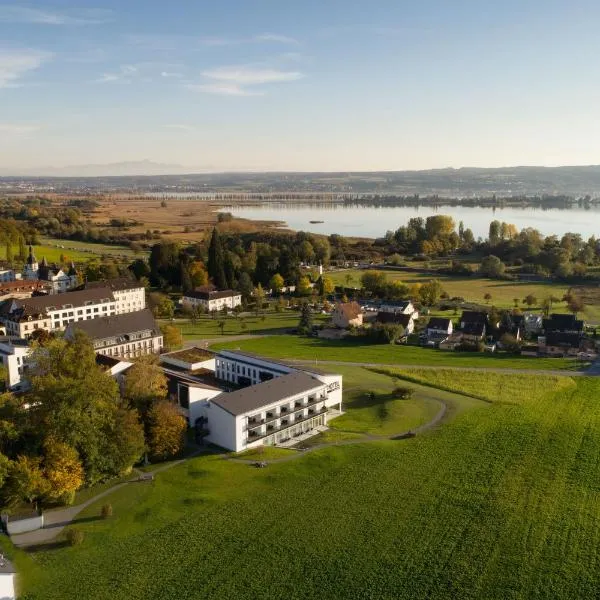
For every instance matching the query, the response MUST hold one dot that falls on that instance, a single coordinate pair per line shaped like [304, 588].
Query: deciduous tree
[167, 431]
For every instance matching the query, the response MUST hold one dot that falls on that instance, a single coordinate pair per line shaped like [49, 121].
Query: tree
[161, 305]
[494, 233]
[439, 226]
[259, 298]
[172, 339]
[516, 302]
[198, 274]
[167, 430]
[25, 481]
[326, 286]
[304, 288]
[487, 297]
[306, 319]
[430, 292]
[74, 402]
[575, 304]
[216, 261]
[63, 471]
[9, 251]
[145, 383]
[246, 287]
[221, 325]
[276, 284]
[492, 266]
[373, 282]
[530, 300]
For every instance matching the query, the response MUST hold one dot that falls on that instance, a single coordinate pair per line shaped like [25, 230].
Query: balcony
[253, 435]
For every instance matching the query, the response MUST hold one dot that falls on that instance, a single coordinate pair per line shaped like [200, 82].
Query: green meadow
[499, 500]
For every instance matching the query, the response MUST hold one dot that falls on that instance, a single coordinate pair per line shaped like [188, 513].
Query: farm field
[206, 327]
[472, 289]
[309, 348]
[498, 502]
[92, 250]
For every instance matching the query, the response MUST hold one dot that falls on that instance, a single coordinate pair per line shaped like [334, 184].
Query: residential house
[210, 299]
[58, 280]
[532, 323]
[404, 307]
[348, 314]
[129, 335]
[24, 289]
[438, 329]
[7, 275]
[563, 335]
[406, 320]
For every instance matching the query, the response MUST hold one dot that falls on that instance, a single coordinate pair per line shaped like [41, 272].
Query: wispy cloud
[223, 89]
[181, 127]
[18, 129]
[171, 74]
[242, 80]
[277, 38]
[162, 42]
[15, 13]
[246, 75]
[125, 74]
[15, 64]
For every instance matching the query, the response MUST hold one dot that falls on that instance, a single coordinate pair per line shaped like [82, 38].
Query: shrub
[106, 511]
[75, 536]
[404, 393]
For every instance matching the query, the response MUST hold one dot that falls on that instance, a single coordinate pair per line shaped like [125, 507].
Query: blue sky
[300, 85]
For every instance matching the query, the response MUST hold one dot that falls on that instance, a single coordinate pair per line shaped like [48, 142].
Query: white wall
[7, 586]
[24, 525]
[205, 364]
[198, 398]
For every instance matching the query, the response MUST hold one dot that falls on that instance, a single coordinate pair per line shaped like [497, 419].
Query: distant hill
[450, 183]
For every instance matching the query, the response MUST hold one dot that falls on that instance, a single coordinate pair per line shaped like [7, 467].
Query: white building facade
[212, 300]
[14, 355]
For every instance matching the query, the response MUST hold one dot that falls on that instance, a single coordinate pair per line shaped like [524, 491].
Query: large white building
[22, 317]
[128, 335]
[210, 300]
[129, 294]
[277, 404]
[14, 353]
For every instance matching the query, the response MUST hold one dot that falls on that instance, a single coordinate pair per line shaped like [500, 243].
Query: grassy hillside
[500, 502]
[305, 348]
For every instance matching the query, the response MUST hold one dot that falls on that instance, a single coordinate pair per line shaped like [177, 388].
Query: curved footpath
[56, 520]
[368, 437]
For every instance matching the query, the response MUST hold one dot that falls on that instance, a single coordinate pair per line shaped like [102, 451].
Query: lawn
[370, 406]
[206, 327]
[264, 453]
[315, 349]
[500, 502]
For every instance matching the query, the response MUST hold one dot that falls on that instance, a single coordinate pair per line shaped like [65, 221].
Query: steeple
[31, 259]
[44, 262]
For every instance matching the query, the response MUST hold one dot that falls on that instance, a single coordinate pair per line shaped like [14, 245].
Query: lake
[372, 222]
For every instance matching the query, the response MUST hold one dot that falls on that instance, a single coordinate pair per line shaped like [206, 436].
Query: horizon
[299, 87]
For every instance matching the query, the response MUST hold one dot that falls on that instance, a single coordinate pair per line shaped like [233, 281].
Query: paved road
[55, 521]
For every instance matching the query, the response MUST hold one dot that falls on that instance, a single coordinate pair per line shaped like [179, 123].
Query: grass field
[473, 289]
[500, 502]
[92, 249]
[206, 327]
[52, 254]
[371, 408]
[305, 348]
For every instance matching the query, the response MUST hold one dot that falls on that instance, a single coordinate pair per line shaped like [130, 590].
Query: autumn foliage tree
[167, 427]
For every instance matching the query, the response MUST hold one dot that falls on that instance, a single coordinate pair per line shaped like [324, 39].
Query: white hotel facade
[277, 404]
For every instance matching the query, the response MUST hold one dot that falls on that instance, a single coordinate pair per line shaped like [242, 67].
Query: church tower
[31, 268]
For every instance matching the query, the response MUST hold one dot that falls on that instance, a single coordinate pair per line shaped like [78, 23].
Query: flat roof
[190, 355]
[262, 394]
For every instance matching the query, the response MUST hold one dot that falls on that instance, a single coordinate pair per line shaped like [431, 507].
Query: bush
[75, 536]
[106, 511]
[404, 393]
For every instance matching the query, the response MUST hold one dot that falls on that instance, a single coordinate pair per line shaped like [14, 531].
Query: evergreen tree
[9, 251]
[22, 250]
[216, 261]
[245, 286]
[306, 319]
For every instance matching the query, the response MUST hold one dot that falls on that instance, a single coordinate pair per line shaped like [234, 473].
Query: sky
[300, 85]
